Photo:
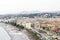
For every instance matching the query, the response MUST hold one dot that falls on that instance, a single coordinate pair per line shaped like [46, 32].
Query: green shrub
[20, 26]
[33, 34]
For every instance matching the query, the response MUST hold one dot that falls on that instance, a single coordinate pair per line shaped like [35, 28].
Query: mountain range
[32, 15]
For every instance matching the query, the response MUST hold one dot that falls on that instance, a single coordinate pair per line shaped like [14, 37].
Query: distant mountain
[32, 15]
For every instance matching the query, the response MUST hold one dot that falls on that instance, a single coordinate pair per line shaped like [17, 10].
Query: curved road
[13, 32]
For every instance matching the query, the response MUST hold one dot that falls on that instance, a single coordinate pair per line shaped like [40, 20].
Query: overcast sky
[16, 6]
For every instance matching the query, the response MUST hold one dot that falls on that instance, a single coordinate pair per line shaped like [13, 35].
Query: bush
[20, 26]
[33, 34]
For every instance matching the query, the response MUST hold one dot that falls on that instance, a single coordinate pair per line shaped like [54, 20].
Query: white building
[28, 25]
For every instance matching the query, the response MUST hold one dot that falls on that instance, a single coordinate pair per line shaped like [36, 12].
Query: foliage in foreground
[33, 34]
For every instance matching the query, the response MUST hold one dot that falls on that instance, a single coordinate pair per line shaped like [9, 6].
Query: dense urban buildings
[41, 27]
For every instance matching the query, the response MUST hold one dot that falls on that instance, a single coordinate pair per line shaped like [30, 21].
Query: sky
[17, 6]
